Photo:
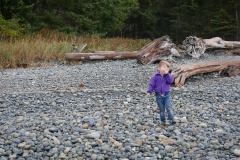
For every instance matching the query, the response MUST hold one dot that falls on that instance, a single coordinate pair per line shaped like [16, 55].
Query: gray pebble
[98, 110]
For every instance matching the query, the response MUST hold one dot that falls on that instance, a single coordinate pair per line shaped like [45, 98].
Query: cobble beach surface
[99, 110]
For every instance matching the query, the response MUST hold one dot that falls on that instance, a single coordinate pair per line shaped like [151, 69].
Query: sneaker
[163, 123]
[172, 122]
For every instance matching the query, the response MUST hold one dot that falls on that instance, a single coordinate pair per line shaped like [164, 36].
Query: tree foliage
[221, 24]
[126, 18]
[11, 28]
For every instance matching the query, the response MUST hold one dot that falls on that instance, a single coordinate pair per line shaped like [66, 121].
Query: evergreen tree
[221, 25]
[128, 18]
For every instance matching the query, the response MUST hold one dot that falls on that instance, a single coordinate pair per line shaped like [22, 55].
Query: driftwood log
[100, 55]
[161, 48]
[195, 46]
[180, 73]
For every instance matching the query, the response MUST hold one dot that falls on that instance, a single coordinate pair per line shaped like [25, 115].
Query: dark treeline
[124, 18]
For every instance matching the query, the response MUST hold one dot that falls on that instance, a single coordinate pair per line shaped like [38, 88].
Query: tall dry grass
[47, 46]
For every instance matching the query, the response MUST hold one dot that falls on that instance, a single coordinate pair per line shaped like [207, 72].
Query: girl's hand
[166, 70]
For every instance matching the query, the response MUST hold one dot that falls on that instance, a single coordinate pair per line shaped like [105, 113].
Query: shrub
[11, 28]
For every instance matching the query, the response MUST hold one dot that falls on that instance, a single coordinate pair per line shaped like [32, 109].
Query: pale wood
[218, 42]
[78, 49]
[161, 48]
[196, 47]
[100, 55]
[180, 73]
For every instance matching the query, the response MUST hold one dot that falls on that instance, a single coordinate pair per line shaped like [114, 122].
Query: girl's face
[164, 69]
[164, 66]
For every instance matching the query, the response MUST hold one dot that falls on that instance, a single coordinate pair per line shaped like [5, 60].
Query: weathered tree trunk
[100, 55]
[195, 47]
[180, 73]
[161, 48]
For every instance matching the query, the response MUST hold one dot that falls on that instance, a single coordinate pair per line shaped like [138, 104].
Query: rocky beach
[99, 110]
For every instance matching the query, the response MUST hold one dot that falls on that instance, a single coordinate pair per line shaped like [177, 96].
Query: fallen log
[161, 48]
[180, 73]
[100, 55]
[195, 46]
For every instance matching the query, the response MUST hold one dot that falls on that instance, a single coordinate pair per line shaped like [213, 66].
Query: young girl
[160, 84]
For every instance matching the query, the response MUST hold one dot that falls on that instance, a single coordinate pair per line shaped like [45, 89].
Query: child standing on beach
[160, 84]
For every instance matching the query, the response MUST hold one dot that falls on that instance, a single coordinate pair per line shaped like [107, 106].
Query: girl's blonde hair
[162, 62]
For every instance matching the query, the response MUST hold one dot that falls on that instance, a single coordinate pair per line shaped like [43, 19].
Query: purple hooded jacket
[160, 84]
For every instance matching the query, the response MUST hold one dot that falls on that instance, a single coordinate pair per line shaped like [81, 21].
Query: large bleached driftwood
[100, 55]
[195, 46]
[180, 73]
[161, 48]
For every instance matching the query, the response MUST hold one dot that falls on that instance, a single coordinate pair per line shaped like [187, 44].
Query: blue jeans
[164, 103]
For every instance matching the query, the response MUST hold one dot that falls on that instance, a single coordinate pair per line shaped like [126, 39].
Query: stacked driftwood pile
[163, 48]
